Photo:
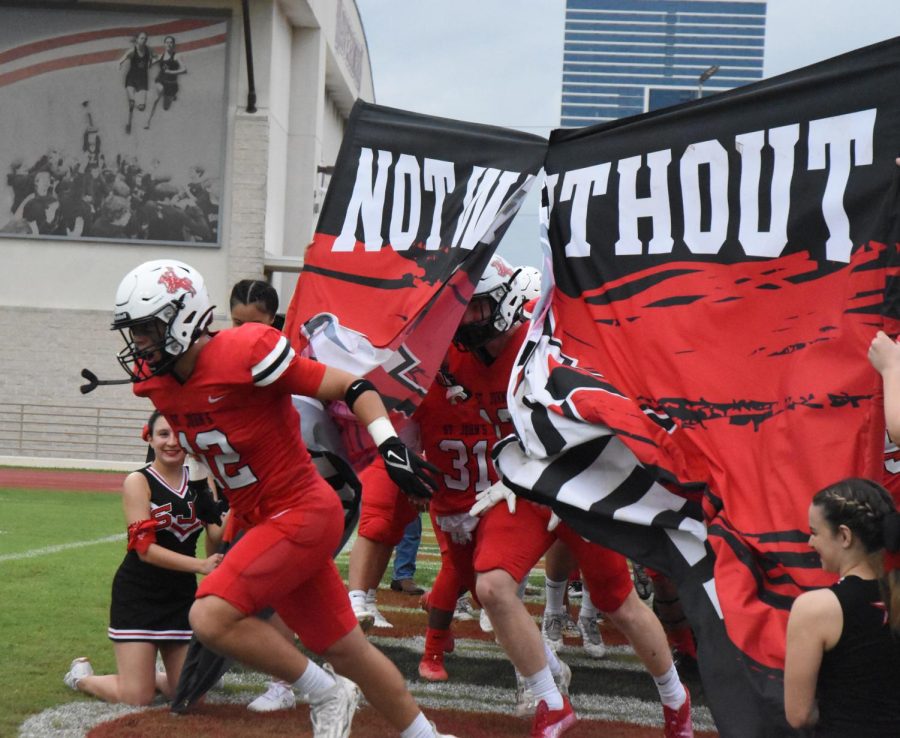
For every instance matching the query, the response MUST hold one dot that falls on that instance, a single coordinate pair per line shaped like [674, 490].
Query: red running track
[68, 479]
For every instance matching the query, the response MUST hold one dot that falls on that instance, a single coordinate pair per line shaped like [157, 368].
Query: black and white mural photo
[113, 122]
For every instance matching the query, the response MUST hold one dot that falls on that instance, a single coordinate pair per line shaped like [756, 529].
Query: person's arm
[335, 383]
[884, 354]
[214, 535]
[124, 58]
[407, 470]
[180, 69]
[136, 502]
[810, 632]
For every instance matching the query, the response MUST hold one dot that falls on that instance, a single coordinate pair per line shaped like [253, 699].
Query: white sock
[552, 661]
[357, 599]
[554, 591]
[314, 683]
[671, 690]
[544, 688]
[370, 597]
[587, 604]
[418, 728]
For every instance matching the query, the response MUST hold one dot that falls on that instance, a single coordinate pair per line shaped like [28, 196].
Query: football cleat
[380, 621]
[591, 638]
[365, 618]
[552, 723]
[552, 629]
[563, 679]
[678, 722]
[78, 670]
[279, 696]
[464, 609]
[332, 715]
[570, 627]
[432, 669]
[525, 704]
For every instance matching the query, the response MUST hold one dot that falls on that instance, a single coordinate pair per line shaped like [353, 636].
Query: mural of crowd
[87, 196]
[114, 192]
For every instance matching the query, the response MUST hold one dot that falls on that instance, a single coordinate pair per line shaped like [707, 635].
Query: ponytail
[868, 510]
[890, 581]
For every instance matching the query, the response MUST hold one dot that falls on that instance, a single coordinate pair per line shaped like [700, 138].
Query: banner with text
[414, 211]
[720, 268]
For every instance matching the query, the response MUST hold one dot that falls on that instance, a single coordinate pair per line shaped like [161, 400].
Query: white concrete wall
[56, 296]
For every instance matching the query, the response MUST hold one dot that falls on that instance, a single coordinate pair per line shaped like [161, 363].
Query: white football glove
[459, 527]
[486, 499]
[456, 393]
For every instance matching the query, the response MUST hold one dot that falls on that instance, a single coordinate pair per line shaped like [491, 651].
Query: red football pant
[285, 562]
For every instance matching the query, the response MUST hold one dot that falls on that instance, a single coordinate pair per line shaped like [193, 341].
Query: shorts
[385, 511]
[516, 542]
[285, 562]
[137, 81]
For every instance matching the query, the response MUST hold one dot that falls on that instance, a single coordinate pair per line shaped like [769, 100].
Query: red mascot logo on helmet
[503, 269]
[173, 282]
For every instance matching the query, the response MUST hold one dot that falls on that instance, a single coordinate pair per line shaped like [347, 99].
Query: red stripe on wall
[169, 28]
[96, 57]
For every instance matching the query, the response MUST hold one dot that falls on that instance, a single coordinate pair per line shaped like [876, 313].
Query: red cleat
[678, 722]
[552, 723]
[432, 669]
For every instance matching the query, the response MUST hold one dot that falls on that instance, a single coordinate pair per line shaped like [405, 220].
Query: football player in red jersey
[457, 437]
[508, 542]
[228, 397]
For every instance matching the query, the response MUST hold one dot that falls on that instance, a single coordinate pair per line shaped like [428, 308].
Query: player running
[228, 397]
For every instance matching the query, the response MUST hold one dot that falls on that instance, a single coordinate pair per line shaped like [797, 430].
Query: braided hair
[255, 291]
[868, 510]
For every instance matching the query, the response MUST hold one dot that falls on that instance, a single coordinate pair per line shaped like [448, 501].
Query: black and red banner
[720, 269]
[414, 211]
[696, 369]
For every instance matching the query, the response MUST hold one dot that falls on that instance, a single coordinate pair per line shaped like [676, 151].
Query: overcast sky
[500, 61]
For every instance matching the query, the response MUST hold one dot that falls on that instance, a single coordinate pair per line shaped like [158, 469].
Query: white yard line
[48, 550]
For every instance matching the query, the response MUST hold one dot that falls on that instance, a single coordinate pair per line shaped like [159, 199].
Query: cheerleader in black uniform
[842, 667]
[154, 586]
[137, 79]
[170, 69]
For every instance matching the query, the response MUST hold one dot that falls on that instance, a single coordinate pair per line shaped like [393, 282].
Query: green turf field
[59, 551]
[54, 586]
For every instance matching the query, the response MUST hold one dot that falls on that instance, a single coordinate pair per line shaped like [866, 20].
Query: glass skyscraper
[624, 57]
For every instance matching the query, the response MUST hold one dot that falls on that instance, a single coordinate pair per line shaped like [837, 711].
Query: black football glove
[408, 470]
[207, 509]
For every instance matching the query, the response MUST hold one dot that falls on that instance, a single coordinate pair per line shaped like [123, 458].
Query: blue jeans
[406, 550]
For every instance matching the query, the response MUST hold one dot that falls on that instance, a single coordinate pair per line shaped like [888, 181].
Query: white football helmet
[165, 297]
[509, 289]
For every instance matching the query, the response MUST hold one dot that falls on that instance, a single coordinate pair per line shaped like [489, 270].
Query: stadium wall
[311, 64]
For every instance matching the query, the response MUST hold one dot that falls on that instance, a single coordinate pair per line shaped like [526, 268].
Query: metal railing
[64, 432]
